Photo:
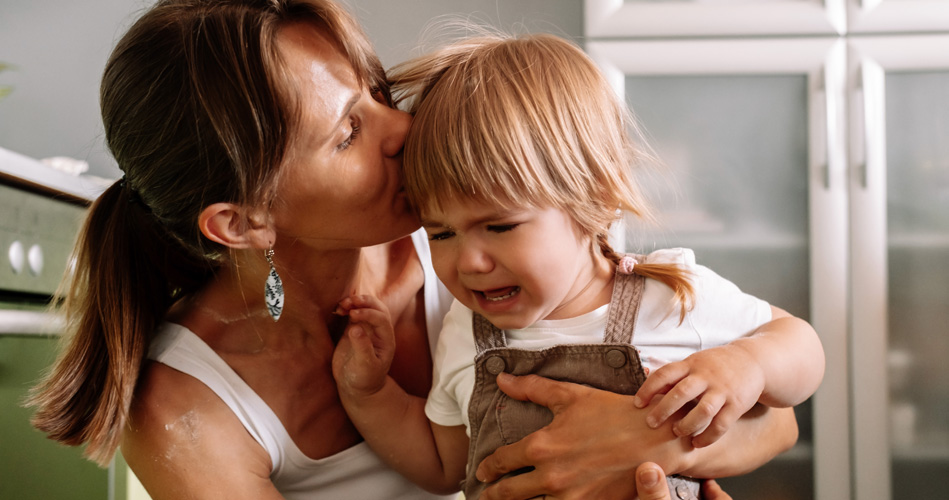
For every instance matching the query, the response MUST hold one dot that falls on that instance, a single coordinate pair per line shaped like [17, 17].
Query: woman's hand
[651, 485]
[586, 451]
[364, 353]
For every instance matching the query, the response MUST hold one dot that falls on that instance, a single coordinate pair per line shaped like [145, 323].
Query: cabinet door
[900, 270]
[892, 16]
[751, 134]
[645, 18]
[31, 466]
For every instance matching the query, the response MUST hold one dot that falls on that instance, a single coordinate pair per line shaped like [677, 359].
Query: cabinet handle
[871, 105]
[823, 147]
[16, 322]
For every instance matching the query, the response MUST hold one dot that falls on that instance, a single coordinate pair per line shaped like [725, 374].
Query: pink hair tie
[626, 264]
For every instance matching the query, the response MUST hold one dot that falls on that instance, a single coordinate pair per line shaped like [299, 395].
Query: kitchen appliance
[41, 210]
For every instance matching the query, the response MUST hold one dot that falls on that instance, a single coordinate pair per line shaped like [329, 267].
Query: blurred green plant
[4, 90]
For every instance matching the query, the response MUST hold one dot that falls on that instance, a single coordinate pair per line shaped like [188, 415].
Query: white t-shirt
[722, 313]
[352, 473]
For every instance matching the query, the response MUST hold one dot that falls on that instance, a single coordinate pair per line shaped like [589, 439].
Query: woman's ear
[235, 226]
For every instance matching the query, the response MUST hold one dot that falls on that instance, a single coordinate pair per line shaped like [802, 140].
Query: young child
[518, 162]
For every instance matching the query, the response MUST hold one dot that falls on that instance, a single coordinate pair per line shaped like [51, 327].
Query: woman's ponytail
[117, 291]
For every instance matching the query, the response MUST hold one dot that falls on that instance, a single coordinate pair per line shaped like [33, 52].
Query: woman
[261, 152]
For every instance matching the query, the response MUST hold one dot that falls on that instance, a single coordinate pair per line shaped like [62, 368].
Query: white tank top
[353, 473]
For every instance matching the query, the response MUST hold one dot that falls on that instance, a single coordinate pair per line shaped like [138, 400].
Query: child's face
[515, 267]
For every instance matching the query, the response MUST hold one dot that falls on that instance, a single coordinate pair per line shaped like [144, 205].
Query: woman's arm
[182, 441]
[598, 438]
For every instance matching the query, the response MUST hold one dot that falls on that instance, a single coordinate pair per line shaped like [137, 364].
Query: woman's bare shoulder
[181, 440]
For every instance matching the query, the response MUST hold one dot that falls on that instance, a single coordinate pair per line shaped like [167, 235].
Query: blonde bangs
[517, 121]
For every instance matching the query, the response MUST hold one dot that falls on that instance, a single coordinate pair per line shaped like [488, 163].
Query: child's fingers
[725, 419]
[360, 344]
[659, 382]
[682, 393]
[700, 416]
[375, 318]
[345, 306]
[377, 327]
[370, 301]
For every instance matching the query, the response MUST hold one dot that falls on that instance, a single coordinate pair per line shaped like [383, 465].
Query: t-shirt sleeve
[452, 377]
[722, 312]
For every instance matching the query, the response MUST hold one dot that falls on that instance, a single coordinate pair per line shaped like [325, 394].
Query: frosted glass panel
[917, 111]
[735, 190]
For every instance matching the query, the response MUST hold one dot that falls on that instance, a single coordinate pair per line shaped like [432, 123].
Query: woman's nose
[397, 127]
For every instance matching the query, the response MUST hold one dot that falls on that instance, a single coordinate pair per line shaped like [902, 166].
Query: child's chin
[508, 323]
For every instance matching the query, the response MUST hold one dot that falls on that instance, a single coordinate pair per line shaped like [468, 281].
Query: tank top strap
[624, 307]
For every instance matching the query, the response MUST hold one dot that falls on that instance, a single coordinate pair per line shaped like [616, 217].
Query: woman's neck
[313, 282]
[230, 313]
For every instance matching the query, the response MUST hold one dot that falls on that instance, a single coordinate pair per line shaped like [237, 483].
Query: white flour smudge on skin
[185, 426]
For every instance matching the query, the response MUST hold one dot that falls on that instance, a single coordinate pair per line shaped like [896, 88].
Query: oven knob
[35, 258]
[16, 256]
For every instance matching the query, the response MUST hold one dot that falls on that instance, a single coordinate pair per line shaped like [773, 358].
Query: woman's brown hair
[197, 110]
[526, 120]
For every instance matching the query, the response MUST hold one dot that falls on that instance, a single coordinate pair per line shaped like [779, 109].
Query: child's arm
[780, 365]
[392, 421]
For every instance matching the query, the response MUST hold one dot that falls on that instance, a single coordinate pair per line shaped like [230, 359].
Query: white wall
[59, 47]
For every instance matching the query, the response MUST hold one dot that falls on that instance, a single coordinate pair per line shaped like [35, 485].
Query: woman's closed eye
[352, 137]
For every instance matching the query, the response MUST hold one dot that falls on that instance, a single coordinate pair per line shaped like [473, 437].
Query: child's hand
[364, 354]
[725, 382]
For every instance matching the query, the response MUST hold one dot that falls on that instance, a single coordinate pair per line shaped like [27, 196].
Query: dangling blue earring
[273, 289]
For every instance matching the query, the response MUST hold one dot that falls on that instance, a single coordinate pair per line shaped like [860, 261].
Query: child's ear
[235, 226]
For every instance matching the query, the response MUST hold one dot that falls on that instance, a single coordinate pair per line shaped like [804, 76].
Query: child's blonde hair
[526, 120]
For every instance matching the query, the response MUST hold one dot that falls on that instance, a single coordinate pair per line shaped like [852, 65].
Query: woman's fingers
[651, 483]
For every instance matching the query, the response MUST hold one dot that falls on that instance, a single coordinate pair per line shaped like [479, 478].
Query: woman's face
[342, 183]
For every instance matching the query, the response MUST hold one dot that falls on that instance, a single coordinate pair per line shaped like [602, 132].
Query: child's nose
[474, 260]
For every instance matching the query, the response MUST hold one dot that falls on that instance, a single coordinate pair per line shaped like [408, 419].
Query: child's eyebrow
[432, 224]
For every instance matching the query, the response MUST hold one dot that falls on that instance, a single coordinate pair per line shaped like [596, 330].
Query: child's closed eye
[501, 228]
[440, 235]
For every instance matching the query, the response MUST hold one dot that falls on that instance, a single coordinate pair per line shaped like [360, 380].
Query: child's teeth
[505, 296]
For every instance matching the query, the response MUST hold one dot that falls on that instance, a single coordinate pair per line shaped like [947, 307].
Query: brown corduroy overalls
[614, 365]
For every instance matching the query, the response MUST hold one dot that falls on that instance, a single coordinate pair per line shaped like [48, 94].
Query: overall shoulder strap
[486, 335]
[624, 307]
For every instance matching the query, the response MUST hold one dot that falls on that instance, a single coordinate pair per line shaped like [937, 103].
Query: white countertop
[19, 169]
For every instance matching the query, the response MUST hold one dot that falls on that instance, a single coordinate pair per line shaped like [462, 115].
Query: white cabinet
[618, 18]
[808, 147]
[899, 161]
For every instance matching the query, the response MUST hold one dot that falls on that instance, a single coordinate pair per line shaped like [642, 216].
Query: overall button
[494, 365]
[615, 358]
